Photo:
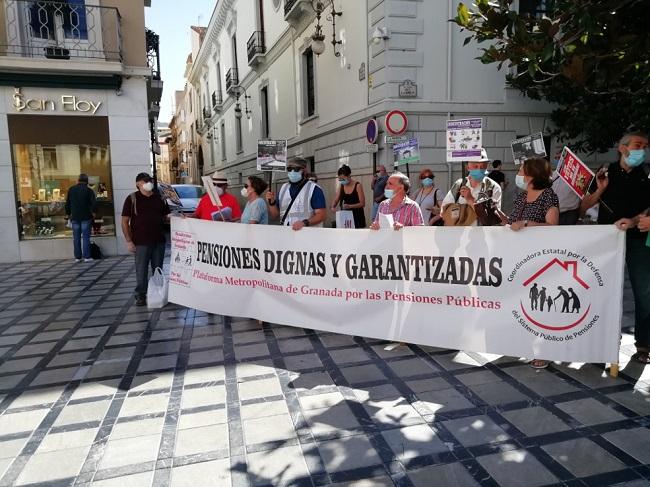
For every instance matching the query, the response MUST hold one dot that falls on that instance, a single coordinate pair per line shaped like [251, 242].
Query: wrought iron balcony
[293, 10]
[256, 47]
[232, 79]
[217, 100]
[207, 113]
[61, 30]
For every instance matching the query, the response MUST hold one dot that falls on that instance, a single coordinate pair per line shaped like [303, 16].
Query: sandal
[539, 364]
[642, 357]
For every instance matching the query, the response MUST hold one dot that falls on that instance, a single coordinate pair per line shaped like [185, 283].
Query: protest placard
[407, 152]
[464, 140]
[575, 173]
[211, 190]
[528, 147]
[271, 155]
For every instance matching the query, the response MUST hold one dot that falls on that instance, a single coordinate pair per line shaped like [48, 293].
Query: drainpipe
[448, 91]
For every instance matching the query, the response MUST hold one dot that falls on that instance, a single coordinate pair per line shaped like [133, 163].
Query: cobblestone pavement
[95, 390]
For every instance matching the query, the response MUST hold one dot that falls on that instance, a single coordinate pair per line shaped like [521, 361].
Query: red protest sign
[575, 173]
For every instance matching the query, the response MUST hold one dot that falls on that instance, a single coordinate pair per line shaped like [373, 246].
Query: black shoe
[140, 301]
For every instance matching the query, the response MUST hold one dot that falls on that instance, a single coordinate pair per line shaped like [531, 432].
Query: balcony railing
[288, 5]
[293, 10]
[61, 30]
[232, 79]
[153, 52]
[256, 46]
[217, 100]
[207, 113]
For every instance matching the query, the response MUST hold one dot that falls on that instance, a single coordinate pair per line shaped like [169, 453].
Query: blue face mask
[635, 158]
[294, 176]
[427, 182]
[389, 193]
[344, 181]
[477, 174]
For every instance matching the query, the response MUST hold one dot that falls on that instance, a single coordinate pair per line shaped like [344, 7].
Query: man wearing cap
[143, 217]
[80, 206]
[300, 203]
[230, 210]
[475, 186]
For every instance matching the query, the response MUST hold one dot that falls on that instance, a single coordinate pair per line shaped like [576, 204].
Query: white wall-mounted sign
[408, 89]
[67, 103]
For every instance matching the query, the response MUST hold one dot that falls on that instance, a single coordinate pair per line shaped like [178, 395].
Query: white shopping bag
[158, 290]
[344, 219]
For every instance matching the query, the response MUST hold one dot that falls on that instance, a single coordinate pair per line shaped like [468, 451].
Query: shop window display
[43, 176]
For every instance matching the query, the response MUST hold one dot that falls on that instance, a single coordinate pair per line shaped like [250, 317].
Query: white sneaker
[77, 260]
[88, 260]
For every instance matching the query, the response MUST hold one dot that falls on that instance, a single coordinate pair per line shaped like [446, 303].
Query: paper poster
[211, 190]
[271, 155]
[575, 173]
[528, 147]
[464, 139]
[407, 152]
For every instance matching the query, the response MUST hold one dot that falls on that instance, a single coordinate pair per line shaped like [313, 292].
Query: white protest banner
[272, 155]
[464, 140]
[527, 147]
[545, 292]
[575, 173]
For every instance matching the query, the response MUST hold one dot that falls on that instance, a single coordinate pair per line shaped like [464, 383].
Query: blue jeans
[81, 238]
[375, 208]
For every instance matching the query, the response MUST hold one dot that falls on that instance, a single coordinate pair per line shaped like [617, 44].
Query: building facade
[79, 93]
[258, 75]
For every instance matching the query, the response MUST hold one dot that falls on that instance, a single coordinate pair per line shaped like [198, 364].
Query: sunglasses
[294, 169]
[427, 176]
[246, 185]
[221, 185]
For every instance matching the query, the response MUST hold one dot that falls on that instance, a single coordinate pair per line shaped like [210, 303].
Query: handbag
[457, 214]
[487, 213]
[158, 289]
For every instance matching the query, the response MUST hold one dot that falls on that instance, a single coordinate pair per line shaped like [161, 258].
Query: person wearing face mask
[624, 191]
[429, 198]
[350, 196]
[255, 211]
[405, 211]
[230, 209]
[476, 186]
[300, 203]
[537, 205]
[143, 217]
[378, 185]
[80, 206]
[569, 201]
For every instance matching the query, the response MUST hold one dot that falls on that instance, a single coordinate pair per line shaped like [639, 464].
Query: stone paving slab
[95, 391]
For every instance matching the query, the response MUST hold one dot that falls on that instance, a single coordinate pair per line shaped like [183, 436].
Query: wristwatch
[305, 222]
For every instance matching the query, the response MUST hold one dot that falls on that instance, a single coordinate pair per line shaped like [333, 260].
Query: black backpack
[95, 251]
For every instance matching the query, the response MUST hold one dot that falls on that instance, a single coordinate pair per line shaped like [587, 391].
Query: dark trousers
[146, 255]
[637, 258]
[569, 217]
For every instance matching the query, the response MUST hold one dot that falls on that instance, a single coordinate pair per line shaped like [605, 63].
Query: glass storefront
[45, 170]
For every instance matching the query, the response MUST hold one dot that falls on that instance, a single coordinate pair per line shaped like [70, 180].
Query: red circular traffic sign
[396, 122]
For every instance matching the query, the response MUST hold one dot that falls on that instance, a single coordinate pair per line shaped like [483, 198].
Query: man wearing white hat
[229, 211]
[475, 186]
[300, 203]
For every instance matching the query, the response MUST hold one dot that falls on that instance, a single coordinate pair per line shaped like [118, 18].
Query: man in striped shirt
[405, 211]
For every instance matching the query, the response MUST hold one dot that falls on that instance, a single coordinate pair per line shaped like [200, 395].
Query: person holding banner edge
[300, 203]
[405, 211]
[624, 189]
[230, 211]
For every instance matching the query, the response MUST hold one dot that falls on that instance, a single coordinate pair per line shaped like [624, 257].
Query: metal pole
[153, 154]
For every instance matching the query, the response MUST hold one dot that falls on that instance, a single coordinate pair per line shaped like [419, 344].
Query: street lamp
[318, 39]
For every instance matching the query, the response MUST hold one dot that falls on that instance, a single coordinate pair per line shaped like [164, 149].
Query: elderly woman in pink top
[405, 211]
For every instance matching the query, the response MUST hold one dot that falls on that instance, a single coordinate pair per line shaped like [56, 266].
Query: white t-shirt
[568, 199]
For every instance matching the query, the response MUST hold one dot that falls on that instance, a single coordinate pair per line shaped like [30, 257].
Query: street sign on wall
[372, 131]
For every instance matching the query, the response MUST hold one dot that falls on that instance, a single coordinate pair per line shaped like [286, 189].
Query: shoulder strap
[134, 208]
[286, 213]
[462, 183]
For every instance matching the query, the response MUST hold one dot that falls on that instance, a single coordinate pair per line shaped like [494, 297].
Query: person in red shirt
[230, 210]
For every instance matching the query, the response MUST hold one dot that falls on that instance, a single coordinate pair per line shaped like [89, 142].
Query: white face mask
[244, 192]
[148, 186]
[521, 183]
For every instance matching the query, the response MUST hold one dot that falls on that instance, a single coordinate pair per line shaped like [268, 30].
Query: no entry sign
[396, 122]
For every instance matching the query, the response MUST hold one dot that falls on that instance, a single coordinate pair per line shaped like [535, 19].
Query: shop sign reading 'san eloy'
[68, 103]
